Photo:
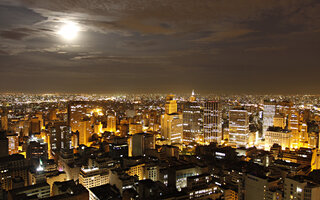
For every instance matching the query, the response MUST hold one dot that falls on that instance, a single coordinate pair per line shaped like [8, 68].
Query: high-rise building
[279, 120]
[37, 151]
[4, 144]
[13, 143]
[238, 127]
[171, 105]
[135, 128]
[172, 127]
[60, 137]
[13, 166]
[269, 112]
[140, 142]
[277, 135]
[4, 122]
[35, 126]
[212, 129]
[111, 123]
[85, 132]
[192, 122]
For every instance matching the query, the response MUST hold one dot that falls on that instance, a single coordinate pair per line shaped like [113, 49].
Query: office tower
[11, 167]
[4, 122]
[37, 151]
[111, 123]
[171, 105]
[60, 137]
[40, 118]
[53, 115]
[172, 127]
[277, 135]
[34, 126]
[238, 127]
[13, 143]
[85, 132]
[279, 120]
[135, 128]
[192, 121]
[4, 143]
[269, 112]
[138, 143]
[212, 122]
[154, 120]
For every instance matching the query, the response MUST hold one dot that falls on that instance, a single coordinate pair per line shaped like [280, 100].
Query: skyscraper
[172, 122]
[269, 112]
[192, 121]
[60, 137]
[212, 122]
[238, 127]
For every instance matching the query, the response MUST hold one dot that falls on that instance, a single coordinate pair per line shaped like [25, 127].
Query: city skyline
[69, 46]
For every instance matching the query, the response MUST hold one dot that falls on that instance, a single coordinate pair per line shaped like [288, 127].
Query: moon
[69, 30]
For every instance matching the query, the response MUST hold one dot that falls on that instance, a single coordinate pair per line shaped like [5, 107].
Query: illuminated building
[279, 120]
[315, 161]
[152, 172]
[192, 121]
[111, 123]
[172, 127]
[78, 110]
[135, 128]
[172, 122]
[37, 150]
[298, 188]
[93, 176]
[138, 143]
[13, 143]
[60, 137]
[53, 115]
[13, 166]
[137, 170]
[277, 135]
[85, 132]
[269, 111]
[238, 127]
[171, 105]
[212, 129]
[313, 140]
[154, 120]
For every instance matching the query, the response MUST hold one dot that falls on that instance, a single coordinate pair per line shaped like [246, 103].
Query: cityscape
[68, 146]
[159, 100]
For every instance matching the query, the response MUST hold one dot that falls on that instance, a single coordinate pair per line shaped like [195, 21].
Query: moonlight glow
[69, 30]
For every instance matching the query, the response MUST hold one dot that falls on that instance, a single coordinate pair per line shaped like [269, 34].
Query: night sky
[238, 46]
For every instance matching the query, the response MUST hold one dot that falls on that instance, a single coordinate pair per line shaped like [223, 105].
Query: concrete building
[238, 128]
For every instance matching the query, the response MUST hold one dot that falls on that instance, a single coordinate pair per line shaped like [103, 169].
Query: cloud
[167, 17]
[266, 49]
[16, 34]
[225, 35]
